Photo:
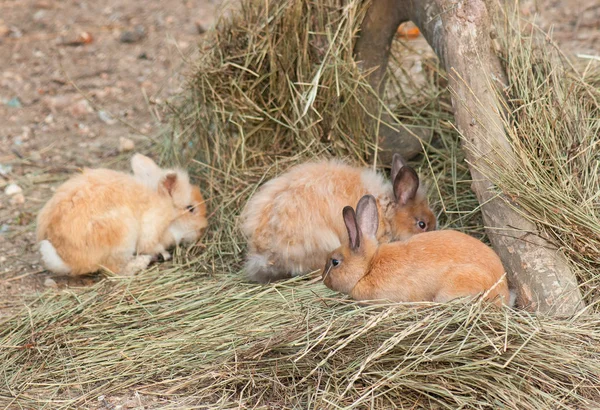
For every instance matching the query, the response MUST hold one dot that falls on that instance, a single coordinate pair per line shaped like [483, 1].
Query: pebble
[58, 102]
[17, 199]
[15, 32]
[80, 109]
[12, 189]
[126, 145]
[200, 27]
[106, 117]
[50, 283]
[14, 103]
[5, 169]
[39, 15]
[133, 36]
[35, 156]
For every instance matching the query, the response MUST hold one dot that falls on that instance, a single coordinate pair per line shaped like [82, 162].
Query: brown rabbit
[434, 266]
[292, 222]
[110, 219]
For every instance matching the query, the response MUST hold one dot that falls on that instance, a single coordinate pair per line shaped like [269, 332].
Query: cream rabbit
[434, 266]
[292, 222]
[110, 219]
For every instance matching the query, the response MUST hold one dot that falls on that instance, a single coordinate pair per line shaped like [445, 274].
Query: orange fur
[433, 266]
[103, 218]
[292, 222]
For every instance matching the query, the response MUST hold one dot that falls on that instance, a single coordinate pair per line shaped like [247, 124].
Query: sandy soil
[76, 76]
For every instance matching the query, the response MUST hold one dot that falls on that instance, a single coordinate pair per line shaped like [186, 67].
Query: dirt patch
[76, 77]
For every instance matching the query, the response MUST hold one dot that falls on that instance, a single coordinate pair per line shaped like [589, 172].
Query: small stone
[50, 283]
[80, 39]
[84, 130]
[15, 32]
[133, 36]
[26, 133]
[39, 15]
[12, 189]
[17, 199]
[5, 169]
[200, 27]
[80, 109]
[106, 117]
[126, 145]
[85, 38]
[58, 102]
[14, 103]
[35, 156]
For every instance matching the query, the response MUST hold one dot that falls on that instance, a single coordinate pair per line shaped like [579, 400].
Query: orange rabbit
[434, 266]
[105, 218]
[292, 222]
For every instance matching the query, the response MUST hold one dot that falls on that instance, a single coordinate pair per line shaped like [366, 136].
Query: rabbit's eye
[335, 262]
[190, 208]
[422, 225]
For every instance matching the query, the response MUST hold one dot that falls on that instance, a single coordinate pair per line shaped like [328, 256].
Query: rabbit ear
[169, 183]
[397, 164]
[145, 169]
[368, 216]
[406, 184]
[352, 227]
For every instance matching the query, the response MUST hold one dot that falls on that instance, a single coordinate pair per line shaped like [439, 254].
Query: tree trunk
[378, 29]
[459, 33]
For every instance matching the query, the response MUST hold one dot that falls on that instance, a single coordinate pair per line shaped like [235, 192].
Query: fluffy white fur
[52, 260]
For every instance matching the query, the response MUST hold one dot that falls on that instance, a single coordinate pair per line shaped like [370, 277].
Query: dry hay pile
[267, 93]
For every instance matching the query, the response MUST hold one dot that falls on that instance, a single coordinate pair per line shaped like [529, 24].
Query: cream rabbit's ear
[145, 169]
[397, 164]
[352, 227]
[367, 216]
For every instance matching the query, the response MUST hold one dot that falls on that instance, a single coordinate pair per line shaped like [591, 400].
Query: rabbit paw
[161, 257]
[137, 264]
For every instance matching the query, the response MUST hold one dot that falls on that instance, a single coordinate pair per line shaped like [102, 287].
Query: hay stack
[199, 336]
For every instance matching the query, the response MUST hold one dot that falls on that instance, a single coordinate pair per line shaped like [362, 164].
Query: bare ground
[76, 76]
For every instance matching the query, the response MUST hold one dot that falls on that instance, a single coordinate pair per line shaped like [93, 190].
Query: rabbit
[292, 222]
[434, 266]
[105, 218]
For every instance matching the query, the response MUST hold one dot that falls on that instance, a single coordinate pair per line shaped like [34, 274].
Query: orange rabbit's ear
[352, 227]
[406, 184]
[367, 216]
